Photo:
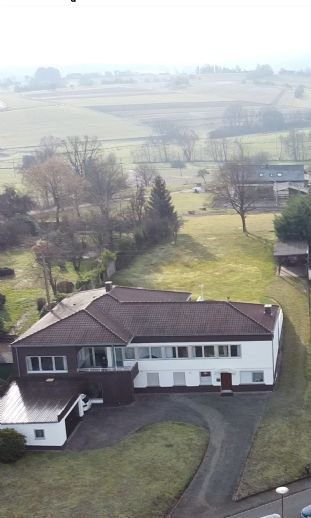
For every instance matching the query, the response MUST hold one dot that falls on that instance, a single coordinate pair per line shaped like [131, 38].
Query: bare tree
[218, 149]
[137, 205]
[105, 179]
[164, 135]
[231, 185]
[187, 138]
[81, 150]
[234, 115]
[51, 180]
[145, 174]
[203, 174]
[294, 144]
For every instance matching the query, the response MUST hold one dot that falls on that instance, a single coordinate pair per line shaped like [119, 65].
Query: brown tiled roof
[105, 320]
[40, 402]
[126, 294]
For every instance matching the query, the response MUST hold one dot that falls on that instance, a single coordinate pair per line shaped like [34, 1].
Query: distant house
[282, 180]
[111, 342]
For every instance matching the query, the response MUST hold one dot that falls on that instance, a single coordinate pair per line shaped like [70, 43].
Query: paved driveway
[231, 422]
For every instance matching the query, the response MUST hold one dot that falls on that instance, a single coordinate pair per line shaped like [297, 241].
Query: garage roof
[41, 402]
[287, 248]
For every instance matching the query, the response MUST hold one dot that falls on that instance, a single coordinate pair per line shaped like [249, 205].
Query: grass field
[212, 253]
[140, 477]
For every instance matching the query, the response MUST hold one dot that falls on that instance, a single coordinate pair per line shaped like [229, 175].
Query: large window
[46, 363]
[216, 351]
[176, 352]
[247, 377]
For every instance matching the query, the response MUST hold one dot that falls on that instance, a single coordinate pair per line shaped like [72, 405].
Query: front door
[226, 381]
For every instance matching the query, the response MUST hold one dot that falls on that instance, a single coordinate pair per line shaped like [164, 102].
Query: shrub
[12, 445]
[41, 301]
[2, 300]
[5, 272]
[65, 287]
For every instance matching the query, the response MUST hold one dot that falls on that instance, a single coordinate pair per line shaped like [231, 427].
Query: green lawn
[211, 251]
[142, 476]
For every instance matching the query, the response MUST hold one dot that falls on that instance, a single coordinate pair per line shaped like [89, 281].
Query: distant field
[121, 115]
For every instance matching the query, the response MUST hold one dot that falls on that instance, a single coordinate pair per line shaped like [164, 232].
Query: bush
[12, 445]
[2, 300]
[6, 272]
[65, 287]
[41, 301]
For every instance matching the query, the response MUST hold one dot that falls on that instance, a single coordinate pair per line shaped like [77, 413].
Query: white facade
[54, 433]
[254, 364]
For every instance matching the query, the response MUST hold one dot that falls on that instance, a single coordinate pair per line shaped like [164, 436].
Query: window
[46, 363]
[179, 378]
[205, 378]
[235, 351]
[247, 377]
[156, 352]
[129, 353]
[257, 377]
[143, 353]
[182, 352]
[176, 352]
[153, 379]
[214, 351]
[209, 351]
[39, 434]
[223, 351]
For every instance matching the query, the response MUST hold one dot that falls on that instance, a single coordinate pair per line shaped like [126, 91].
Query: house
[114, 341]
[278, 181]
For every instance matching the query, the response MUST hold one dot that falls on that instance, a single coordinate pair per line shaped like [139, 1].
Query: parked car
[274, 515]
[306, 512]
[86, 403]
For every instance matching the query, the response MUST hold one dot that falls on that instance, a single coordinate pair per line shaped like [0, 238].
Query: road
[292, 506]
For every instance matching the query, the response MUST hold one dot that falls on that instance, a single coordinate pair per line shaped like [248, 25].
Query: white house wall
[255, 356]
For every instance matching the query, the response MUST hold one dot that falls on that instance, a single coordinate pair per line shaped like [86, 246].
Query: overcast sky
[60, 32]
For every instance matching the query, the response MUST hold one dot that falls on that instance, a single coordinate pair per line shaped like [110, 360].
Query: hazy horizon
[66, 34]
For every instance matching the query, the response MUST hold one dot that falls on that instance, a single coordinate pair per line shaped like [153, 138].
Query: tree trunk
[243, 218]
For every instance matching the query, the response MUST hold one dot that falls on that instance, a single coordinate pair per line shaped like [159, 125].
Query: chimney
[108, 286]
[268, 309]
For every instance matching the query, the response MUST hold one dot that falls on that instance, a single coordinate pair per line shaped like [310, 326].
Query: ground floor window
[153, 379]
[39, 434]
[251, 377]
[179, 378]
[205, 378]
[46, 363]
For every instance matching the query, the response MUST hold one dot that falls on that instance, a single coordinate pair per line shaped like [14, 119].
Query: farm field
[214, 258]
[141, 464]
[121, 115]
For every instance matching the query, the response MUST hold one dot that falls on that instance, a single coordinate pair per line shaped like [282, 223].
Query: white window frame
[30, 371]
[39, 430]
[252, 373]
[216, 351]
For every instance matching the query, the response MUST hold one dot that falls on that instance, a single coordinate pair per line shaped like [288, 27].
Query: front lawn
[142, 476]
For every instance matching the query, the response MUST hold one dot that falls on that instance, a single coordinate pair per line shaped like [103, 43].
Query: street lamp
[282, 491]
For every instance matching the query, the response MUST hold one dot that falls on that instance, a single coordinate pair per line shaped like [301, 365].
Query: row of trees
[95, 207]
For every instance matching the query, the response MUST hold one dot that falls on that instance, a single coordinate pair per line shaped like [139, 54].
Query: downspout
[17, 361]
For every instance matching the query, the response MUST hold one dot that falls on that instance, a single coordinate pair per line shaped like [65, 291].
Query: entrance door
[226, 381]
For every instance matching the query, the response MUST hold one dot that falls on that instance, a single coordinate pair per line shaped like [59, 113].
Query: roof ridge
[150, 289]
[247, 316]
[105, 325]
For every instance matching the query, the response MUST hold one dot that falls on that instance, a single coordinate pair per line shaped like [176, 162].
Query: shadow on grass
[267, 242]
[192, 247]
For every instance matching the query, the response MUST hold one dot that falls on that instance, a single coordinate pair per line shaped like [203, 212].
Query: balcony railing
[104, 369]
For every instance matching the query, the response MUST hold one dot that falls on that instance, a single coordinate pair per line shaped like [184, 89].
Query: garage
[45, 412]
[72, 420]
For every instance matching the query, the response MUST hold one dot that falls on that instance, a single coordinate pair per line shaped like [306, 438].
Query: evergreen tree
[161, 221]
[160, 202]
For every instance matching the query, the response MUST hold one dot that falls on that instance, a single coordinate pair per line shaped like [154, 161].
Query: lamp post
[282, 491]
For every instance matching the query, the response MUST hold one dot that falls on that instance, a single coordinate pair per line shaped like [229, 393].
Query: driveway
[231, 422]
